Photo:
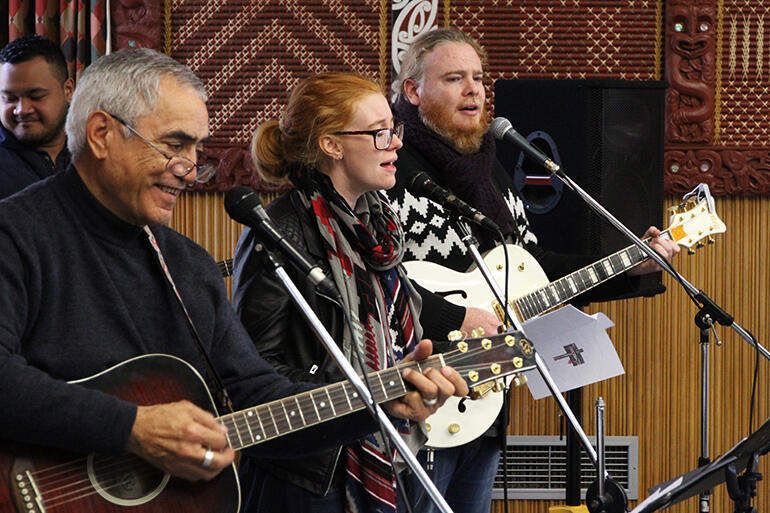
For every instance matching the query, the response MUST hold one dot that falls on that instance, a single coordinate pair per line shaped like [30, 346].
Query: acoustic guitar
[42, 480]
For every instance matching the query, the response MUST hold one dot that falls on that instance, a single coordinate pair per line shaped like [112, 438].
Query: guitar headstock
[483, 359]
[695, 219]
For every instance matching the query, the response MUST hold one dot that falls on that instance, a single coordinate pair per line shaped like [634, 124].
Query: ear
[412, 91]
[100, 130]
[69, 88]
[331, 146]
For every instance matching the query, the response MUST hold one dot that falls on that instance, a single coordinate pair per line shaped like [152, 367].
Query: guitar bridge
[25, 493]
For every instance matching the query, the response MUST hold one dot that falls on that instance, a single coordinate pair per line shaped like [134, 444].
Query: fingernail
[447, 371]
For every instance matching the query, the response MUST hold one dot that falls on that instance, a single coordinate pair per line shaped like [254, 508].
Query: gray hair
[124, 83]
[412, 63]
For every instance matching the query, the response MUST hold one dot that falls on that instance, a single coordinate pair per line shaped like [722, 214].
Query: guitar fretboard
[264, 422]
[562, 290]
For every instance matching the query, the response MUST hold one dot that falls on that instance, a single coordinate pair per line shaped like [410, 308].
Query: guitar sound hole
[461, 405]
[448, 293]
[126, 480]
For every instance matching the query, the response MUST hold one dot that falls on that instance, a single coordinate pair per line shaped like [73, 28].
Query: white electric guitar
[462, 420]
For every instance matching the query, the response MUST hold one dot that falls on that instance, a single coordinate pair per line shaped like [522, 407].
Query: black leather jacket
[281, 334]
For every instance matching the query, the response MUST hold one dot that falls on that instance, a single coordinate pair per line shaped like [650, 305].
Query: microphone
[244, 206]
[502, 130]
[421, 185]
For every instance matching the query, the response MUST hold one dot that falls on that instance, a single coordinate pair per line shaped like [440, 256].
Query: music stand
[743, 455]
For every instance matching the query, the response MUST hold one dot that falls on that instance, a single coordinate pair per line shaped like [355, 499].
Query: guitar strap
[221, 391]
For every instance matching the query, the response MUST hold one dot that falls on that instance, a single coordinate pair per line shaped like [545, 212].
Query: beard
[49, 132]
[464, 139]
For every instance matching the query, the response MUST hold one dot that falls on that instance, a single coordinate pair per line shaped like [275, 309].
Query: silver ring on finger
[207, 458]
[430, 402]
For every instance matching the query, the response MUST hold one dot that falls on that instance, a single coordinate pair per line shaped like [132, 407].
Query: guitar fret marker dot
[323, 404]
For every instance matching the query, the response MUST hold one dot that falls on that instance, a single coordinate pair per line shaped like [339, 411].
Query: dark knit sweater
[80, 290]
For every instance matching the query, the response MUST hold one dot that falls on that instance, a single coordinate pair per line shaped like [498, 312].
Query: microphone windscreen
[239, 202]
[499, 127]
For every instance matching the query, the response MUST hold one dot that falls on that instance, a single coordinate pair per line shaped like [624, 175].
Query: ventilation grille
[537, 467]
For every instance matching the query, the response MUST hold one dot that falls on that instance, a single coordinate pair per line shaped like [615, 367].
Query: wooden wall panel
[658, 399]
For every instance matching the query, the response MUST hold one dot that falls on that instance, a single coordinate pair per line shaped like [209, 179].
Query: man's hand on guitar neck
[667, 248]
[433, 388]
[175, 437]
[478, 318]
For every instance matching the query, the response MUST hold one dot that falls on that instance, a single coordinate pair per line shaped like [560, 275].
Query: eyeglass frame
[201, 169]
[399, 127]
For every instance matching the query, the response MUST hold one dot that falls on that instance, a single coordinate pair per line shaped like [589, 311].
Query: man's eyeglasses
[177, 165]
[382, 136]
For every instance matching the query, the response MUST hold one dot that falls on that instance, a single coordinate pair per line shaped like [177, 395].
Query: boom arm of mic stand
[719, 315]
[346, 367]
[472, 245]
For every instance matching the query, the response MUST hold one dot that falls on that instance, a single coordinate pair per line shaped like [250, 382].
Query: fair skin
[34, 102]
[356, 165]
[129, 178]
[451, 96]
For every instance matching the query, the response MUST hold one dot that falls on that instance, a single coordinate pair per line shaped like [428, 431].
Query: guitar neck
[271, 420]
[562, 290]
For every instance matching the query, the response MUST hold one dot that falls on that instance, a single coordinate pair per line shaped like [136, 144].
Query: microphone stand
[336, 353]
[472, 245]
[708, 314]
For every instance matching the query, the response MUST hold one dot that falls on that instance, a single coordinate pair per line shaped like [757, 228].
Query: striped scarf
[364, 249]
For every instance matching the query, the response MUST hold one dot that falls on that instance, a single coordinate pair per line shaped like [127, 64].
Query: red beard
[466, 139]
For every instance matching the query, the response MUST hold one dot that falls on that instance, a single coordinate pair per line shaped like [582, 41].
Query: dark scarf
[364, 249]
[469, 176]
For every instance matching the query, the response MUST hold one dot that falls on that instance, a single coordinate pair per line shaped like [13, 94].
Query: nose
[470, 86]
[22, 106]
[395, 142]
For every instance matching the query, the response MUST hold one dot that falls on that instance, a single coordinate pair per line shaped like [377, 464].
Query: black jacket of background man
[21, 165]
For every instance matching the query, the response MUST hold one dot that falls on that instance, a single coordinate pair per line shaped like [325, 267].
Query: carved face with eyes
[691, 28]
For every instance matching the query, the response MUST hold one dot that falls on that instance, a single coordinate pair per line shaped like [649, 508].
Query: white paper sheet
[574, 346]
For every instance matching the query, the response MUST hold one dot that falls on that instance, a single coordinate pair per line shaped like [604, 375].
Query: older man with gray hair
[93, 279]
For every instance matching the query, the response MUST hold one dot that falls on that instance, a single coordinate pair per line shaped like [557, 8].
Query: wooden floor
[658, 399]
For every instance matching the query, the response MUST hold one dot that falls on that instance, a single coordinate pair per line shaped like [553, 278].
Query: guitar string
[86, 488]
[339, 395]
[120, 463]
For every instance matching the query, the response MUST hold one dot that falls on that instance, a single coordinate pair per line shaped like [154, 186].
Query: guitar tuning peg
[477, 332]
[519, 380]
[710, 239]
[673, 210]
[691, 203]
[690, 251]
[455, 336]
[699, 245]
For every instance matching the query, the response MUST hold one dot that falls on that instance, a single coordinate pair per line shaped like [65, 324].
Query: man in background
[35, 93]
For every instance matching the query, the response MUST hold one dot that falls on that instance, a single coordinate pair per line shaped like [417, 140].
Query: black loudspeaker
[607, 135]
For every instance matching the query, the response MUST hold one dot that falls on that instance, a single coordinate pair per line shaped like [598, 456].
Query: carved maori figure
[690, 70]
[137, 24]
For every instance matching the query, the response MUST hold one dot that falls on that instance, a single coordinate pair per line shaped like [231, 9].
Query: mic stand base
[614, 499]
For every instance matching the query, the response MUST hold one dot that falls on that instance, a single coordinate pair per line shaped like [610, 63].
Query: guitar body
[462, 420]
[61, 482]
[470, 289]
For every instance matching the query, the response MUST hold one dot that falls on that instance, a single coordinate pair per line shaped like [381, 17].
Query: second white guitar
[460, 421]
